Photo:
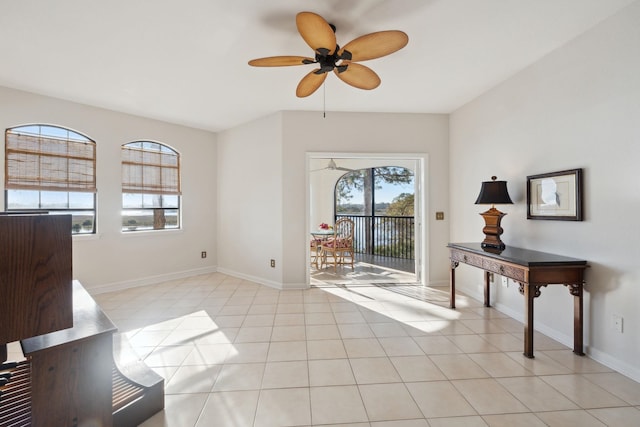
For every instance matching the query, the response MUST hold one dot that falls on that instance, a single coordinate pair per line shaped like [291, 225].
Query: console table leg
[487, 289]
[529, 295]
[577, 320]
[452, 285]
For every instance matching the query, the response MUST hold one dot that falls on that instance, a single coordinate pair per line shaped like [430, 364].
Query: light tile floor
[235, 353]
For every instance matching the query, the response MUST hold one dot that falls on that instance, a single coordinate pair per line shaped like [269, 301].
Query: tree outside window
[381, 202]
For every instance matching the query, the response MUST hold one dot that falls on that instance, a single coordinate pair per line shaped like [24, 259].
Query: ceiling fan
[332, 166]
[321, 37]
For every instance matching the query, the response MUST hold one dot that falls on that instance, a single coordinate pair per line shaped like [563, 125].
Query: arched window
[50, 168]
[150, 186]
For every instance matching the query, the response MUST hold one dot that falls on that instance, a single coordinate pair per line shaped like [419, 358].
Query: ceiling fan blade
[332, 166]
[281, 61]
[316, 32]
[375, 45]
[310, 83]
[358, 75]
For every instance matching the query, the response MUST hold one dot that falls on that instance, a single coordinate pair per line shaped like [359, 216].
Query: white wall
[250, 201]
[111, 259]
[306, 132]
[579, 107]
[381, 133]
[263, 184]
[322, 184]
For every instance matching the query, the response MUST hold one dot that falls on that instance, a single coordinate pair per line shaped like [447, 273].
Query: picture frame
[555, 196]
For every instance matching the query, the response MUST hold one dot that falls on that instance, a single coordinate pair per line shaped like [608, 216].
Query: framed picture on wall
[555, 196]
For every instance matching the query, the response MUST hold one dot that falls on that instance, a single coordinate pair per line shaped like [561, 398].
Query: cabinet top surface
[518, 256]
[88, 321]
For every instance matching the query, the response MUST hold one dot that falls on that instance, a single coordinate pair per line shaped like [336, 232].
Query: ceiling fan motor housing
[328, 62]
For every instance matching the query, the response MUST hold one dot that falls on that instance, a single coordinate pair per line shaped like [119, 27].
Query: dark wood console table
[532, 270]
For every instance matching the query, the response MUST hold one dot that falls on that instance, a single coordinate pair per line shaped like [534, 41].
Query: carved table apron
[532, 270]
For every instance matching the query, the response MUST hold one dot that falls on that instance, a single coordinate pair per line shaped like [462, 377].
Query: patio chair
[315, 250]
[339, 247]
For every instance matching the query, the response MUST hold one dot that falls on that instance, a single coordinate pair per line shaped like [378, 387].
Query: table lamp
[491, 193]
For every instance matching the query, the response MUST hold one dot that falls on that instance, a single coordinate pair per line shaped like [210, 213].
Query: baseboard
[438, 283]
[607, 360]
[149, 280]
[519, 316]
[618, 365]
[599, 356]
[294, 286]
[262, 280]
[537, 326]
[255, 279]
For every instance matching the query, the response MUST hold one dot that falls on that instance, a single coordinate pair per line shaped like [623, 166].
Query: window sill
[147, 233]
[81, 237]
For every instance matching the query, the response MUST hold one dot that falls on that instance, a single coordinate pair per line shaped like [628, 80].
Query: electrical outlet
[617, 322]
[439, 216]
[505, 281]
[203, 254]
[273, 263]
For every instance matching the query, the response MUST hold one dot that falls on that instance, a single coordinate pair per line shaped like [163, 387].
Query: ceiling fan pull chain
[324, 100]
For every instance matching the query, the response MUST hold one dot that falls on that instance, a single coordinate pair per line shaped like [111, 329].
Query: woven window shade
[150, 171]
[35, 162]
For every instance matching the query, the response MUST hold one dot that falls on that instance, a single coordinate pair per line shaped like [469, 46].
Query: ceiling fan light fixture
[318, 34]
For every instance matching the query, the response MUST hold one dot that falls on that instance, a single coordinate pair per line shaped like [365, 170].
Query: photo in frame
[555, 196]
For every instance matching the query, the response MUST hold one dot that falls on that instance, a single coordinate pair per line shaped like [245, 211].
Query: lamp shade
[493, 192]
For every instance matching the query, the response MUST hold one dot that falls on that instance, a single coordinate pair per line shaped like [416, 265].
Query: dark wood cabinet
[71, 369]
[70, 377]
[35, 275]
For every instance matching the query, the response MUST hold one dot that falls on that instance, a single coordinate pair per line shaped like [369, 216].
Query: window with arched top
[150, 187]
[51, 168]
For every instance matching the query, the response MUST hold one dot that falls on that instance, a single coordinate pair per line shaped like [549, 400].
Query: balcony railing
[391, 236]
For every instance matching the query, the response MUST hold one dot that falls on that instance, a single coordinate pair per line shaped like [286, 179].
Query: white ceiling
[185, 61]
